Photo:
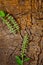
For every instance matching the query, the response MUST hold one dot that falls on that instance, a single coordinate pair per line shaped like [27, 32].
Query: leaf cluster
[10, 22]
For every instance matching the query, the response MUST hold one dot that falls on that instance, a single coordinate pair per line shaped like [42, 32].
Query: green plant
[2, 14]
[21, 59]
[10, 22]
[13, 26]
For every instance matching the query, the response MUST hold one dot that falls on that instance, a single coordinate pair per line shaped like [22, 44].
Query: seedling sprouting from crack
[10, 22]
[20, 59]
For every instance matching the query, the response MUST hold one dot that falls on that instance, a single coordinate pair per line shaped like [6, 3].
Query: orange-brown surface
[29, 15]
[22, 10]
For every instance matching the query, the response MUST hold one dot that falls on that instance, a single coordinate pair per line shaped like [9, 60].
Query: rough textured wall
[23, 10]
[29, 15]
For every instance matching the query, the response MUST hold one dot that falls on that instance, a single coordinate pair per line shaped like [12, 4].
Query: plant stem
[24, 46]
[22, 59]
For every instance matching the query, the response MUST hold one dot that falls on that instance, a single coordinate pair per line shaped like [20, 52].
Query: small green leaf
[2, 14]
[27, 59]
[18, 60]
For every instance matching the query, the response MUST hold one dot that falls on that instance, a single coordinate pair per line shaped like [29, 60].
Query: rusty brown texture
[23, 10]
[29, 15]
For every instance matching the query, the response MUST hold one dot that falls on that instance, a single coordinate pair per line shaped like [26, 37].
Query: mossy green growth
[2, 13]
